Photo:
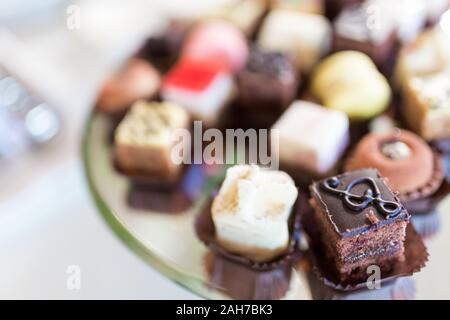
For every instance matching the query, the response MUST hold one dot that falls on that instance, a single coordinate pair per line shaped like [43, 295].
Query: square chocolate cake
[269, 81]
[361, 221]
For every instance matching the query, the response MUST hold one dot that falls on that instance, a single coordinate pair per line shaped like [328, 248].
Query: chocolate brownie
[361, 221]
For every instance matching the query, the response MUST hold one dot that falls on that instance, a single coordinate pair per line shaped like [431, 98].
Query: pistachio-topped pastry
[251, 212]
[349, 81]
[144, 138]
[405, 160]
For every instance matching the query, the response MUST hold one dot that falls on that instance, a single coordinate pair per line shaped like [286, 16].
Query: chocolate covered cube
[361, 221]
[269, 81]
[144, 139]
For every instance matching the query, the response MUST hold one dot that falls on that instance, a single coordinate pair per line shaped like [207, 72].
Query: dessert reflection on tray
[357, 118]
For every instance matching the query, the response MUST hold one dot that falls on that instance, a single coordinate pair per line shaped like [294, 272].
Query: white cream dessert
[427, 105]
[311, 137]
[429, 53]
[409, 15]
[307, 37]
[251, 212]
[144, 138]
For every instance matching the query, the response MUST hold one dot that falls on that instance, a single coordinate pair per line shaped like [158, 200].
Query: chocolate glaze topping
[273, 64]
[372, 195]
[348, 198]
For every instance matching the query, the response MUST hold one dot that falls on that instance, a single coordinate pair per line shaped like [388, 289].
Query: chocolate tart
[396, 155]
[242, 278]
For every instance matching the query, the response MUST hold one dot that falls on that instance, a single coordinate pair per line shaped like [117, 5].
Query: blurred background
[54, 67]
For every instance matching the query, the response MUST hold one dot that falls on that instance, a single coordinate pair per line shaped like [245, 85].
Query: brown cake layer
[377, 247]
[361, 221]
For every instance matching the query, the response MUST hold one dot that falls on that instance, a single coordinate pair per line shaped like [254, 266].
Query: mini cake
[426, 106]
[311, 139]
[397, 155]
[218, 40]
[137, 80]
[269, 81]
[361, 221]
[144, 139]
[354, 30]
[349, 81]
[204, 87]
[429, 53]
[245, 14]
[305, 36]
[309, 6]
[251, 212]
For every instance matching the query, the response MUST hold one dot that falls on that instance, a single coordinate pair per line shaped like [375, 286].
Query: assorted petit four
[268, 81]
[426, 106]
[349, 81]
[396, 155]
[361, 221]
[354, 30]
[137, 80]
[204, 87]
[246, 65]
[144, 139]
[217, 40]
[429, 53]
[311, 139]
[307, 37]
[251, 212]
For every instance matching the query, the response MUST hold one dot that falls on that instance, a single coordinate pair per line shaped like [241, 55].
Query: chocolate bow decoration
[372, 195]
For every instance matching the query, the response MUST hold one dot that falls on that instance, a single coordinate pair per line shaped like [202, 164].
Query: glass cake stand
[168, 242]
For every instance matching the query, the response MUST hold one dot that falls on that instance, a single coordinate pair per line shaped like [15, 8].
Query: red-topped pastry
[202, 86]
